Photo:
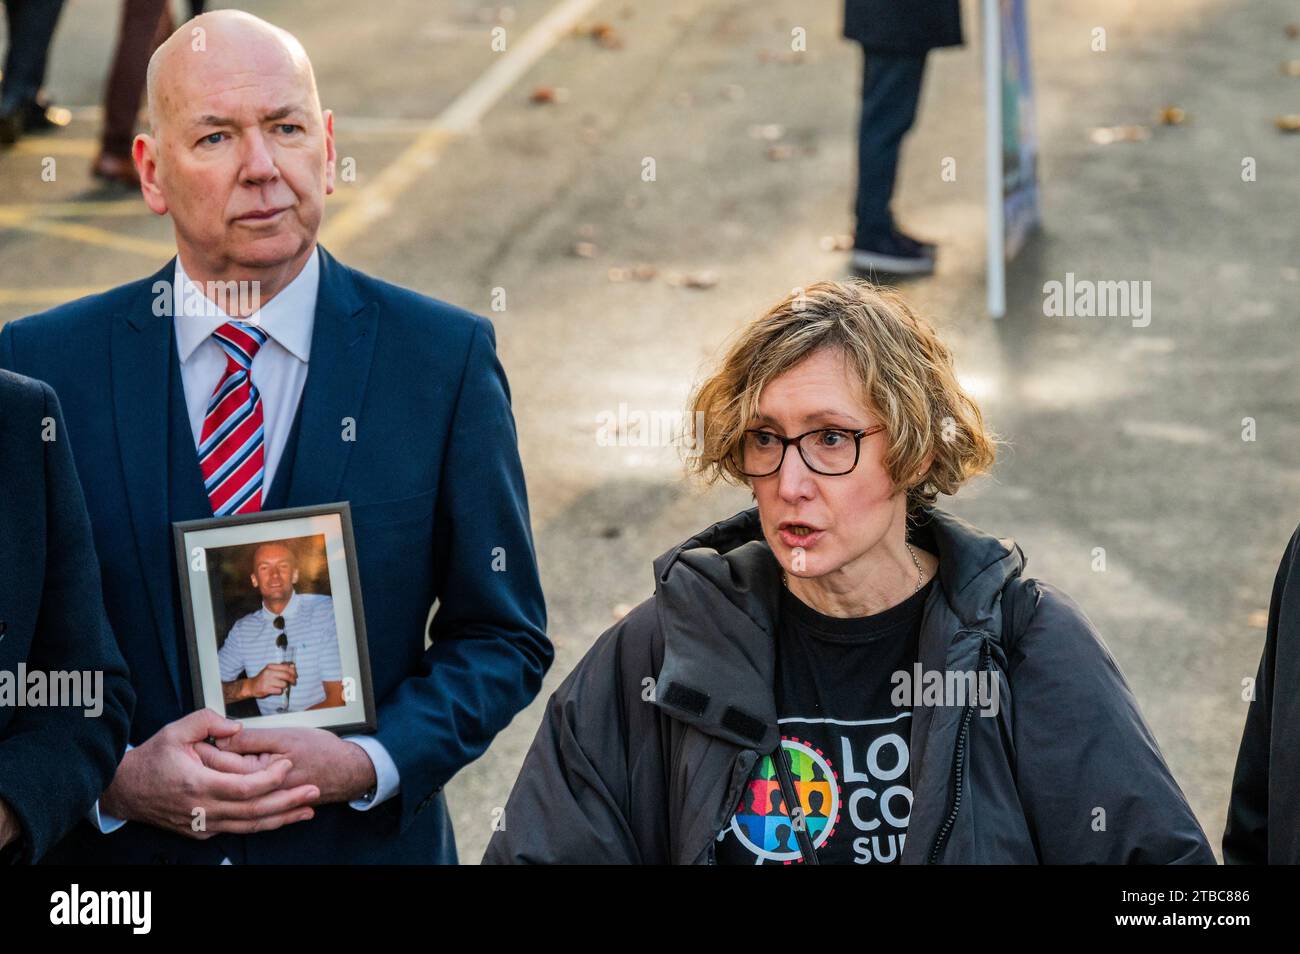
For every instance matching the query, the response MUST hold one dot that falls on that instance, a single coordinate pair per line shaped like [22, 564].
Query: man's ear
[295, 576]
[145, 153]
[331, 155]
[252, 578]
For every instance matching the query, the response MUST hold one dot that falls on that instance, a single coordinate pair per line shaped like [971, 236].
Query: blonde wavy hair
[906, 374]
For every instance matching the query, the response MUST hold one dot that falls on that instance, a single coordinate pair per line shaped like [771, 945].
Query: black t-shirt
[846, 742]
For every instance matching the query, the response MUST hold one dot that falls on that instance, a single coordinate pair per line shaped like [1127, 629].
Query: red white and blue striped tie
[232, 442]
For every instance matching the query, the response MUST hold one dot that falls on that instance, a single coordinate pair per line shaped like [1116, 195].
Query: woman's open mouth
[794, 534]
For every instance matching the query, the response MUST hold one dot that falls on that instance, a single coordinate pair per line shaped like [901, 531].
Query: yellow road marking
[88, 234]
[56, 145]
[109, 208]
[461, 117]
[46, 296]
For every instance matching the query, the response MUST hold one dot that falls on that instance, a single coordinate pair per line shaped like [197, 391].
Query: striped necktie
[231, 444]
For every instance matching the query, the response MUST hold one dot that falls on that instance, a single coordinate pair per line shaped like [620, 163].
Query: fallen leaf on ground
[604, 34]
[549, 94]
[1105, 135]
[1173, 116]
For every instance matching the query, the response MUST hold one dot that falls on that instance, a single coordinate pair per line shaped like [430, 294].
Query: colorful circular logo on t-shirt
[766, 825]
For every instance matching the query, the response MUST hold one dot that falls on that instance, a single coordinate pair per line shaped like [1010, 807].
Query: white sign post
[1011, 141]
[997, 254]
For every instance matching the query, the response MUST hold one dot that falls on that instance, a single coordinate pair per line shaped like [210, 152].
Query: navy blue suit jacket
[54, 760]
[436, 487]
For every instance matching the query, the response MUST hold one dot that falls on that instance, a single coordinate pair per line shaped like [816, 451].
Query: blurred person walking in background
[895, 39]
[145, 25]
[31, 26]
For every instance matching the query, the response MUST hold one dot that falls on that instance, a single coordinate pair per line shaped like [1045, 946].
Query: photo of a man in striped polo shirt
[284, 654]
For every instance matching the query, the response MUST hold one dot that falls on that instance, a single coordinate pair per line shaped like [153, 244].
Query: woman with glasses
[845, 674]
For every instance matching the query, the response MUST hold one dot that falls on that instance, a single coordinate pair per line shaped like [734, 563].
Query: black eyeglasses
[829, 451]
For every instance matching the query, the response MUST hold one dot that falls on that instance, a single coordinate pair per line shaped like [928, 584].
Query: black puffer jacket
[1264, 814]
[645, 746]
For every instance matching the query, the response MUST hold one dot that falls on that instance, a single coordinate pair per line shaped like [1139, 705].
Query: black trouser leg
[891, 89]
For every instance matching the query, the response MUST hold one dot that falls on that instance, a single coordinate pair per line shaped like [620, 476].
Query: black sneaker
[895, 254]
[11, 126]
[928, 248]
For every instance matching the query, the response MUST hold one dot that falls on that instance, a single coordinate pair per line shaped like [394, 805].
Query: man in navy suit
[337, 387]
[58, 749]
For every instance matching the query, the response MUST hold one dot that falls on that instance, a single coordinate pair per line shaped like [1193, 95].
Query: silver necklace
[920, 574]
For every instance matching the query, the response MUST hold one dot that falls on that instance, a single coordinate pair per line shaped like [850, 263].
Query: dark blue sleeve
[55, 761]
[489, 648]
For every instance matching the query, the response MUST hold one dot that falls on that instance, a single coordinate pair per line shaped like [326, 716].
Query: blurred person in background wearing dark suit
[145, 24]
[895, 38]
[31, 26]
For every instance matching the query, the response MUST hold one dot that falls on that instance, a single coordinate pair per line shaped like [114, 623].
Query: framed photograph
[272, 604]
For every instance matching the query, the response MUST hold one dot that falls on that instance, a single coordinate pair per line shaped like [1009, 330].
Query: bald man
[255, 372]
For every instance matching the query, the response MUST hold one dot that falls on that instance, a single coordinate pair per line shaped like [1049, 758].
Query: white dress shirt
[279, 372]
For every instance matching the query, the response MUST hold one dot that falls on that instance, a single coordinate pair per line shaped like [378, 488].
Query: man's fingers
[220, 761]
[278, 802]
[254, 741]
[205, 724]
[234, 787]
[248, 826]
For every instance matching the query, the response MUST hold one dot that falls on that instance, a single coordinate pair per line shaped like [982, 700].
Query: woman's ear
[925, 469]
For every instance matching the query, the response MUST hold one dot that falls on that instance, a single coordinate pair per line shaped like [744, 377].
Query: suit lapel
[342, 344]
[141, 359]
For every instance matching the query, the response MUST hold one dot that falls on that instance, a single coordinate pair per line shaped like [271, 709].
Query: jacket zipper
[958, 766]
[784, 779]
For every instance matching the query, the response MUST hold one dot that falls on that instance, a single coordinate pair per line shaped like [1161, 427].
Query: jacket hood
[717, 596]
